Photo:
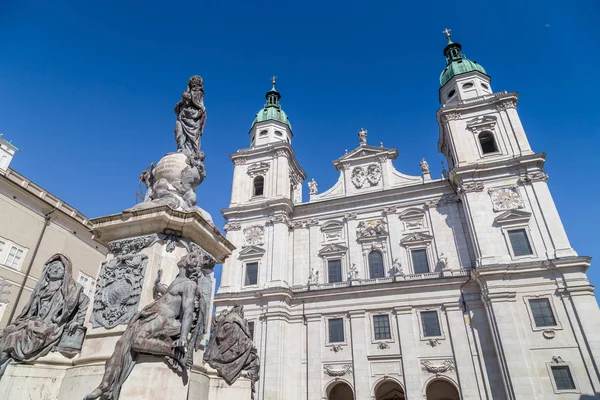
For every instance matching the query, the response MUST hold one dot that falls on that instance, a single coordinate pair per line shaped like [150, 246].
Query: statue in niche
[231, 349]
[52, 320]
[313, 277]
[191, 118]
[170, 326]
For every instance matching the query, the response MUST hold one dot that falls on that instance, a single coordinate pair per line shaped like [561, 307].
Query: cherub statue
[164, 327]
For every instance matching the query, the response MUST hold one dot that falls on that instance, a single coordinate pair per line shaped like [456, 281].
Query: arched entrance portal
[441, 390]
[389, 390]
[341, 391]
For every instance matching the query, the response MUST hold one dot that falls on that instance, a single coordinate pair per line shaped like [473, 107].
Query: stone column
[411, 368]
[315, 348]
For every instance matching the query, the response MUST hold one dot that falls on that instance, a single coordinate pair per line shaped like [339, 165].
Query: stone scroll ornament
[52, 320]
[231, 350]
[118, 290]
[172, 326]
[176, 176]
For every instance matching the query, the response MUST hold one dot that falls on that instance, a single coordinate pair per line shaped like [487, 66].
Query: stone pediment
[365, 153]
[417, 237]
[251, 252]
[333, 249]
[513, 217]
[481, 123]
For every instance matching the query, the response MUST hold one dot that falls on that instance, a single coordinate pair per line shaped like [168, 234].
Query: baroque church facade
[389, 286]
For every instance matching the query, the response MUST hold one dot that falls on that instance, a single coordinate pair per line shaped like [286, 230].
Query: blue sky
[87, 91]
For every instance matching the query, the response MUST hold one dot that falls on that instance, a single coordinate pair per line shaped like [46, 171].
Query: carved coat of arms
[118, 290]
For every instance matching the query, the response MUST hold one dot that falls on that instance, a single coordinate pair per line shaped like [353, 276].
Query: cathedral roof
[272, 110]
[457, 63]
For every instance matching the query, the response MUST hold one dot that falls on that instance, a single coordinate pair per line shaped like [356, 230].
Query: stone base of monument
[140, 242]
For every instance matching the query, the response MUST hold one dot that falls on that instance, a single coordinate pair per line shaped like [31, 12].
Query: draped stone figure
[162, 328]
[231, 349]
[55, 310]
[191, 118]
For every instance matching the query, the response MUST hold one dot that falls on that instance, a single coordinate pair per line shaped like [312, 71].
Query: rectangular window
[420, 262]
[336, 330]
[251, 329]
[542, 312]
[381, 327]
[334, 271]
[563, 378]
[430, 323]
[251, 273]
[14, 257]
[520, 242]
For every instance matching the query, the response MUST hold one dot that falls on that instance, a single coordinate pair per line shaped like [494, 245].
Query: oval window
[483, 85]
[468, 85]
[278, 133]
[452, 92]
[263, 133]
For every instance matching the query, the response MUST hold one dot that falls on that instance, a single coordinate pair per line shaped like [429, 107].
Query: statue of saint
[362, 136]
[191, 118]
[313, 186]
[424, 166]
[162, 328]
[57, 307]
[230, 349]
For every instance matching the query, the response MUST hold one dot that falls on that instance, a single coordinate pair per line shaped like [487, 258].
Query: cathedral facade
[389, 286]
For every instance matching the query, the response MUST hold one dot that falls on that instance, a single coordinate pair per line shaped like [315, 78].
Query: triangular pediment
[366, 153]
[251, 251]
[411, 213]
[482, 122]
[513, 217]
[333, 249]
[416, 237]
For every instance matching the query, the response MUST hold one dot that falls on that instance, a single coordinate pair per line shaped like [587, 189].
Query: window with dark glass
[488, 143]
[259, 186]
[520, 243]
[251, 329]
[376, 265]
[381, 327]
[252, 273]
[419, 261]
[336, 330]
[430, 323]
[334, 271]
[563, 378]
[542, 312]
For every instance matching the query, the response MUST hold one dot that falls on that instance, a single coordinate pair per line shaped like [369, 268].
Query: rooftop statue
[191, 118]
[231, 350]
[50, 321]
[171, 326]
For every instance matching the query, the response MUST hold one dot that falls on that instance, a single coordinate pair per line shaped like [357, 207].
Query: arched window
[487, 142]
[259, 186]
[376, 265]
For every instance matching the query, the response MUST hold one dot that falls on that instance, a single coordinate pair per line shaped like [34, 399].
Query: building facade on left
[34, 225]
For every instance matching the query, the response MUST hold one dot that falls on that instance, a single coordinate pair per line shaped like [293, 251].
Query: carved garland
[329, 370]
[445, 366]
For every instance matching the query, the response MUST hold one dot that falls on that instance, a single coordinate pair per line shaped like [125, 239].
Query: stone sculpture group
[174, 324]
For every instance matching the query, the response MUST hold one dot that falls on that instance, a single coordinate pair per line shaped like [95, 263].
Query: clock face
[506, 199]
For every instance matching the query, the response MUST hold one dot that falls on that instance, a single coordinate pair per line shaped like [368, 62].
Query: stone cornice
[535, 162]
[451, 109]
[272, 148]
[277, 205]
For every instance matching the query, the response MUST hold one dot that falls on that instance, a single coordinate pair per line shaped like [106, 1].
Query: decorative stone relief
[232, 226]
[331, 371]
[445, 366]
[358, 177]
[557, 360]
[336, 348]
[373, 174]
[118, 290]
[239, 161]
[451, 115]
[506, 198]
[254, 235]
[383, 346]
[481, 123]
[505, 105]
[389, 210]
[467, 187]
[538, 176]
[433, 342]
[132, 245]
[279, 219]
[350, 216]
[259, 168]
[549, 334]
[371, 229]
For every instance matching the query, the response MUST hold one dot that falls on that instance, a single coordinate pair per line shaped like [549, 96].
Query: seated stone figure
[231, 349]
[162, 328]
[57, 307]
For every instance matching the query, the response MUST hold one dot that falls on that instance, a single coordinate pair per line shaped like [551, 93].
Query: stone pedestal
[140, 242]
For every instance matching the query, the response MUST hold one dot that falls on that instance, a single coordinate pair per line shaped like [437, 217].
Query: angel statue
[231, 349]
[191, 118]
[170, 326]
[55, 311]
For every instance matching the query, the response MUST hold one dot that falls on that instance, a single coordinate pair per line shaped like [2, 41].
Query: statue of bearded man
[57, 307]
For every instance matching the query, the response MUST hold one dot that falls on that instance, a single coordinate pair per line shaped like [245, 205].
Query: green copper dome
[272, 110]
[457, 63]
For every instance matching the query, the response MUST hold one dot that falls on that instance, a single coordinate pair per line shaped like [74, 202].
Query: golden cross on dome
[447, 32]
